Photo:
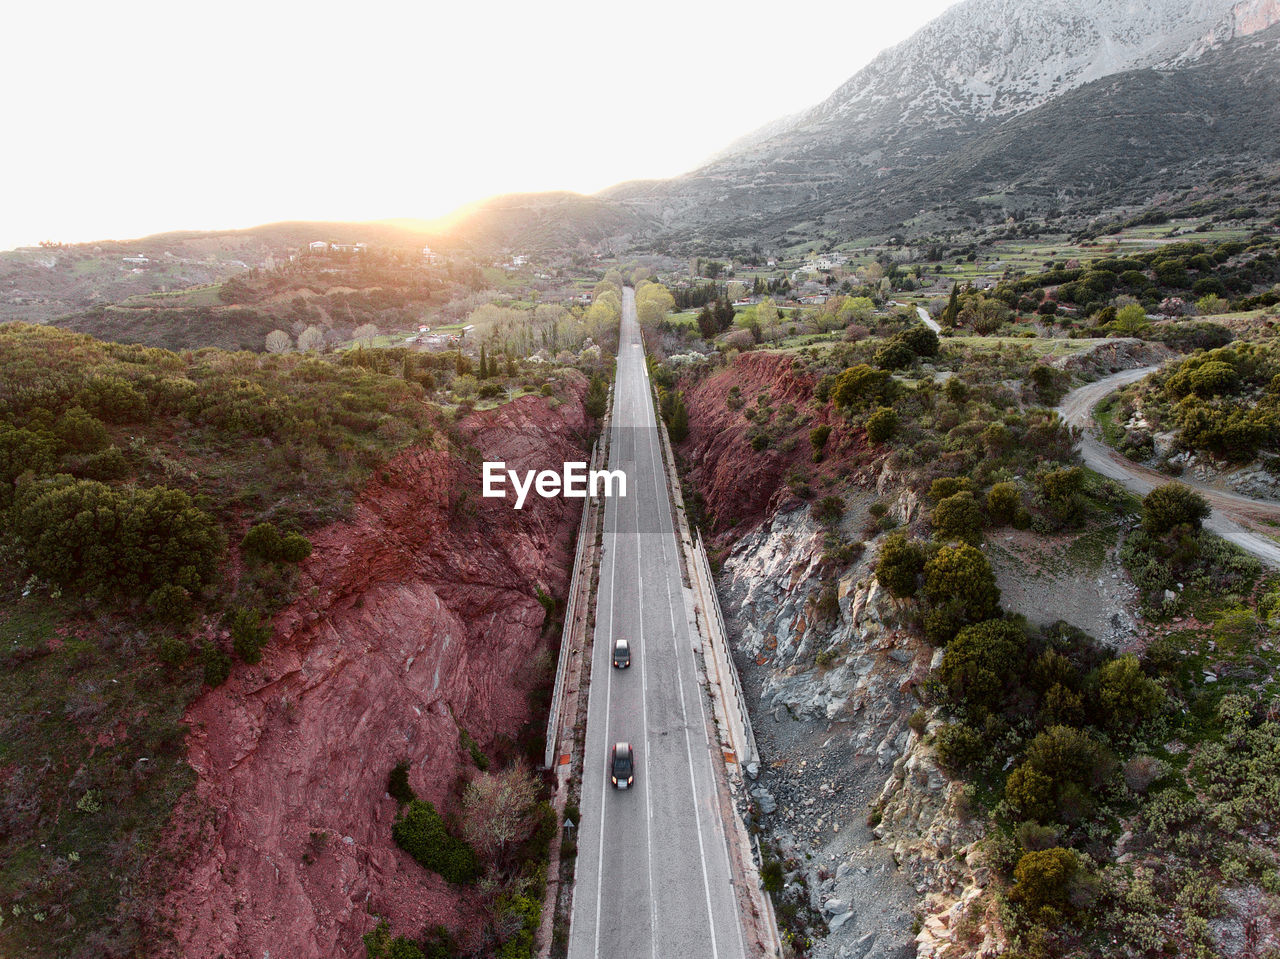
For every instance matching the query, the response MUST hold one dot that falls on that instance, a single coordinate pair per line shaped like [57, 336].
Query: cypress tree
[952, 311]
[484, 368]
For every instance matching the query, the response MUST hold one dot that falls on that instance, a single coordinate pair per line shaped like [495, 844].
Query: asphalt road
[1231, 511]
[653, 879]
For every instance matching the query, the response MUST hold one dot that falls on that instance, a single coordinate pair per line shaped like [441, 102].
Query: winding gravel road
[1232, 515]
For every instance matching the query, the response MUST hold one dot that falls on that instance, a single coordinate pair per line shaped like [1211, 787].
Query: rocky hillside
[419, 625]
[952, 84]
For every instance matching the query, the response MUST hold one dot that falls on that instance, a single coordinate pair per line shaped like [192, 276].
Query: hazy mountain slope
[532, 222]
[980, 63]
[1119, 140]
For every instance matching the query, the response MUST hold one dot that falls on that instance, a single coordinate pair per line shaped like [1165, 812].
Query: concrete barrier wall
[741, 734]
[574, 608]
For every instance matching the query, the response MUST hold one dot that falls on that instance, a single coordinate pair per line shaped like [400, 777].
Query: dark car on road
[622, 654]
[622, 766]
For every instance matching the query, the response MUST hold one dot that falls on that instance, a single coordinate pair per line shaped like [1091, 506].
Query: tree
[117, 543]
[952, 311]
[857, 309]
[706, 320]
[365, 333]
[1130, 319]
[278, 341]
[963, 574]
[653, 302]
[978, 663]
[958, 517]
[676, 415]
[1168, 507]
[899, 565]
[483, 374]
[310, 339]
[605, 311]
[767, 316]
[497, 811]
[725, 314]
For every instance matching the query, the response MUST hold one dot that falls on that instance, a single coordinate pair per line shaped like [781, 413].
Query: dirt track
[1233, 515]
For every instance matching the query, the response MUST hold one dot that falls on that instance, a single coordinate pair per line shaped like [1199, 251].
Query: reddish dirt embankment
[735, 481]
[416, 617]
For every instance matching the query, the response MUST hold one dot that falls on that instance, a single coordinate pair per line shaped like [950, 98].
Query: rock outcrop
[849, 679]
[416, 619]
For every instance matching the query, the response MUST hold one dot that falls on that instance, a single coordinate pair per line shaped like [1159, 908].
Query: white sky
[132, 117]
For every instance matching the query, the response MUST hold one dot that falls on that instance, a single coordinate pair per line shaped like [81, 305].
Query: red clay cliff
[418, 616]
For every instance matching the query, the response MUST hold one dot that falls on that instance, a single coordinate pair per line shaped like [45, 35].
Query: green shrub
[1003, 501]
[894, 356]
[959, 747]
[829, 510]
[1030, 793]
[1060, 493]
[818, 437]
[1171, 506]
[962, 573]
[216, 664]
[172, 650]
[882, 424]
[23, 450]
[1043, 878]
[379, 944]
[421, 833]
[249, 633]
[171, 604]
[958, 517]
[980, 661]
[921, 340]
[945, 486]
[114, 400]
[81, 431]
[110, 464]
[1129, 697]
[1069, 756]
[899, 565]
[861, 387]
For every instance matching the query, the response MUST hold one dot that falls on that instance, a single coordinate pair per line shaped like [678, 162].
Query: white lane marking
[644, 718]
[608, 688]
[688, 746]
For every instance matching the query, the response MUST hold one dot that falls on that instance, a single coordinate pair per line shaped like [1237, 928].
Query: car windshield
[621, 763]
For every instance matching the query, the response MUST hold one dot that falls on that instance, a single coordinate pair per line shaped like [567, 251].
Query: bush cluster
[421, 832]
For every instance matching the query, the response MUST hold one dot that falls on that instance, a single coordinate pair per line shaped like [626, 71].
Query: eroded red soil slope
[416, 617]
[738, 483]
